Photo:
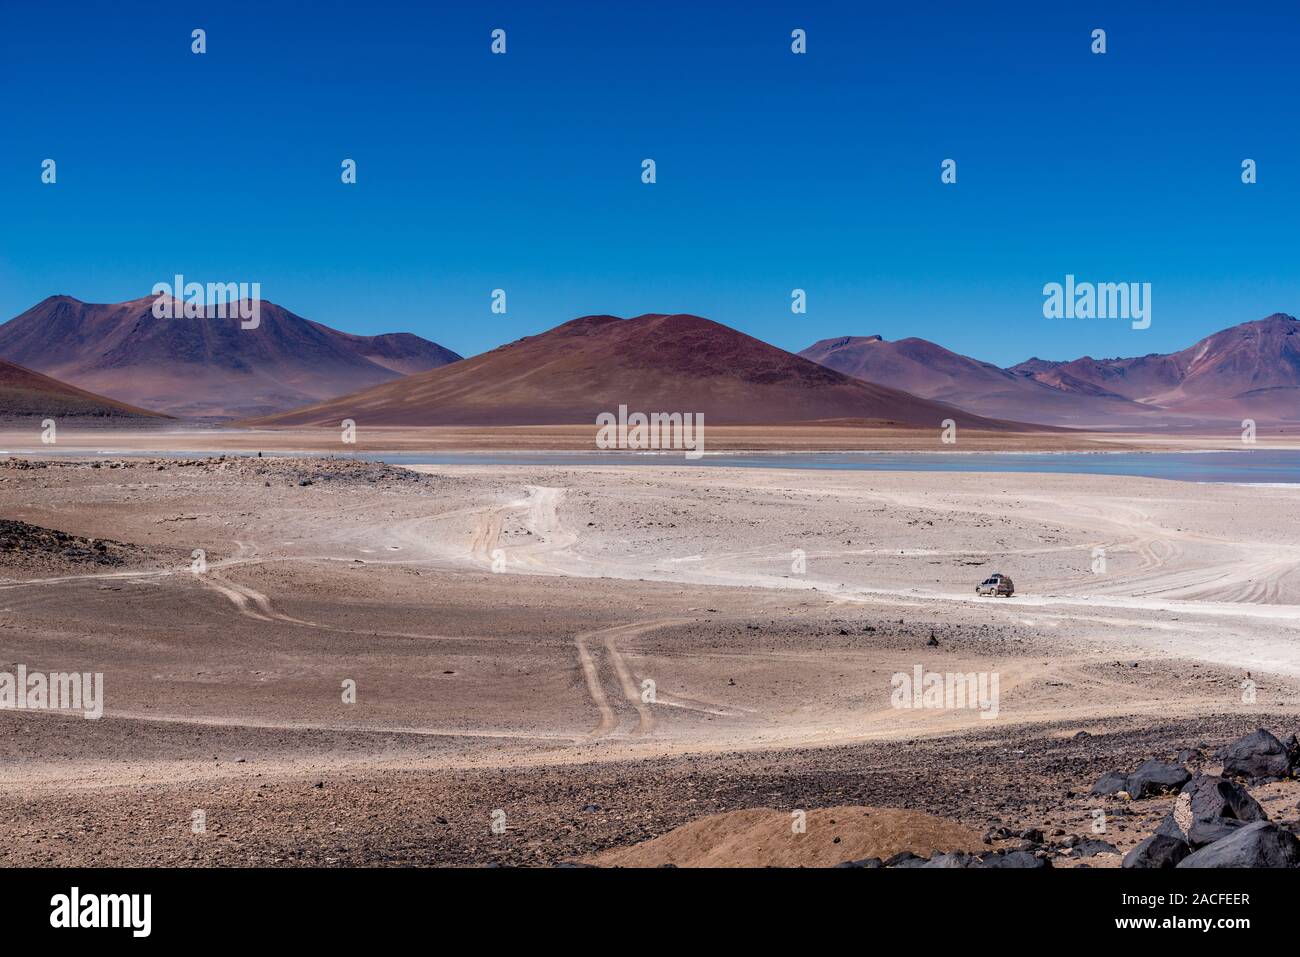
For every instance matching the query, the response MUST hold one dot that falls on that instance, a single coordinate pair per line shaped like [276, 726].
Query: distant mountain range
[24, 392]
[651, 363]
[1250, 370]
[931, 371]
[1247, 371]
[206, 367]
[290, 371]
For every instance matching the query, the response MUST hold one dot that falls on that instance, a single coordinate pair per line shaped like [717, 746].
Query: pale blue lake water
[1262, 466]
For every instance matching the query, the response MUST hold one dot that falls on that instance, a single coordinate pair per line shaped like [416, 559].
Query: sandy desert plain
[502, 716]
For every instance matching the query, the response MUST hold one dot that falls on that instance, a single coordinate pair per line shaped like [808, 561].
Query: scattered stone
[997, 834]
[36, 546]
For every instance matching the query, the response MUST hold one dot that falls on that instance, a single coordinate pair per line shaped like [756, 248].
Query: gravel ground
[1030, 777]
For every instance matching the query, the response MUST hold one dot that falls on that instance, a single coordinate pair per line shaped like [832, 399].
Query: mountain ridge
[1251, 369]
[209, 366]
[26, 392]
[652, 362]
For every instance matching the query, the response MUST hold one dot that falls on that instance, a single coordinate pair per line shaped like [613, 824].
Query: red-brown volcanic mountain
[1247, 371]
[933, 372]
[653, 363]
[210, 366]
[24, 392]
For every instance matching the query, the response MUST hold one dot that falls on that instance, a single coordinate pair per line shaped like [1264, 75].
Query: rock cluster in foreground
[1215, 822]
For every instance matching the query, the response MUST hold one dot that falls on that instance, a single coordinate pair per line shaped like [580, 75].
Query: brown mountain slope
[209, 366]
[933, 372]
[25, 392]
[1250, 370]
[653, 363]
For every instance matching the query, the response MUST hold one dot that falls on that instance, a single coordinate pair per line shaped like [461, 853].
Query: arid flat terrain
[24, 437]
[591, 656]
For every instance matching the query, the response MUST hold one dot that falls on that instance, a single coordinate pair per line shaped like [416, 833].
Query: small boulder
[1157, 851]
[1112, 782]
[955, 859]
[1261, 844]
[1014, 859]
[1155, 777]
[1090, 848]
[1258, 756]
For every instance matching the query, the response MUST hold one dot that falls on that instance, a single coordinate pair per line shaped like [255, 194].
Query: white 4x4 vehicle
[996, 584]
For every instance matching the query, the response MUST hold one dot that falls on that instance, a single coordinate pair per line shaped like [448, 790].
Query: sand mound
[762, 837]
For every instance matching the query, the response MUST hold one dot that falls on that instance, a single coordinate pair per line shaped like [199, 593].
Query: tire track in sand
[609, 639]
[541, 519]
[244, 598]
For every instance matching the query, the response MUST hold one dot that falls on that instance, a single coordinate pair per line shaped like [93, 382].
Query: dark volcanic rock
[1208, 809]
[1111, 782]
[34, 544]
[1258, 756]
[1013, 859]
[1156, 777]
[1261, 844]
[960, 859]
[955, 859]
[1091, 847]
[1157, 851]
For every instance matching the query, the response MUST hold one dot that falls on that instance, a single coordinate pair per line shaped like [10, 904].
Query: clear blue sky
[775, 171]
